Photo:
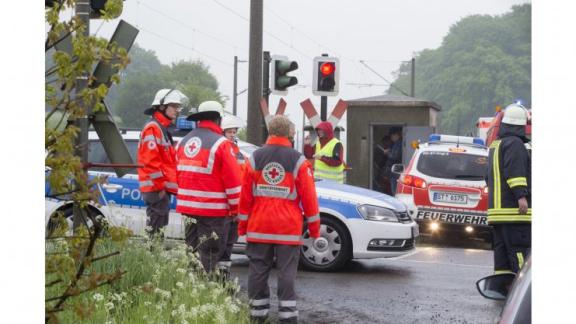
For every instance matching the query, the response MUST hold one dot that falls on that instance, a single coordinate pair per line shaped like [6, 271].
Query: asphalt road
[433, 285]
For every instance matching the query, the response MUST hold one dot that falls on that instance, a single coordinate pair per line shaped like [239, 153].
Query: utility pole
[235, 94]
[413, 79]
[82, 11]
[256, 125]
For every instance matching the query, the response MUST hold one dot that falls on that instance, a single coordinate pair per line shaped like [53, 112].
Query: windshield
[448, 165]
[97, 154]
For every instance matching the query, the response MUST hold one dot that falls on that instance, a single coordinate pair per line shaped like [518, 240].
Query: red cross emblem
[192, 147]
[273, 173]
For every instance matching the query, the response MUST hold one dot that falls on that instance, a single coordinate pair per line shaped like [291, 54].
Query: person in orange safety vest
[157, 177]
[277, 188]
[208, 179]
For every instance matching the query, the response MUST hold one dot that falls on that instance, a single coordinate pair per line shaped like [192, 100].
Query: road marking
[449, 264]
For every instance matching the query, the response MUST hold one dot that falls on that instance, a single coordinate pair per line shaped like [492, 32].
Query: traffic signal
[281, 66]
[326, 76]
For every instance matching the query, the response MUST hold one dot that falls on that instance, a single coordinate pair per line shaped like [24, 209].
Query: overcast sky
[381, 32]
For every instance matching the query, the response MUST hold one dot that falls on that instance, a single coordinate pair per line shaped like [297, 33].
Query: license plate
[450, 198]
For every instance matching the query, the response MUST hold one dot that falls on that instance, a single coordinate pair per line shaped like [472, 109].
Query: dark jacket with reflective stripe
[278, 187]
[509, 176]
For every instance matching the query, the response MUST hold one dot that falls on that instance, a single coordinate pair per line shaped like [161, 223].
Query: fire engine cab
[444, 187]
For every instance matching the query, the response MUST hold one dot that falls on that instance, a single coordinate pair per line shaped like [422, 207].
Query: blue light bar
[478, 141]
[434, 138]
[182, 123]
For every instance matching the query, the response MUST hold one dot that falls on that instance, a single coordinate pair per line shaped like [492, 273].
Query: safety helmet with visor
[207, 110]
[515, 114]
[165, 97]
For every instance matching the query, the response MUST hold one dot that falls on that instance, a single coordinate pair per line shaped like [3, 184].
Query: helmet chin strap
[163, 111]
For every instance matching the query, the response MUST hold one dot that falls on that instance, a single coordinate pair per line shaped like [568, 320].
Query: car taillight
[414, 181]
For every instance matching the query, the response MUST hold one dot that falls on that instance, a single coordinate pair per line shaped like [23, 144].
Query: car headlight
[376, 213]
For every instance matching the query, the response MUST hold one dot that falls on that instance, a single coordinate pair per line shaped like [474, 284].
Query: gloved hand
[320, 243]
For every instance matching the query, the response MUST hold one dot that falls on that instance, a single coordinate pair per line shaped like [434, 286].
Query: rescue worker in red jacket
[208, 184]
[278, 187]
[328, 154]
[230, 125]
[156, 153]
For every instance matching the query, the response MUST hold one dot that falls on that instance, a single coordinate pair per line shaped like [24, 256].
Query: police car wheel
[335, 255]
[68, 215]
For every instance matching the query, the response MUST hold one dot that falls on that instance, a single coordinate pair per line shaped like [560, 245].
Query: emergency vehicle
[487, 127]
[444, 186]
[358, 223]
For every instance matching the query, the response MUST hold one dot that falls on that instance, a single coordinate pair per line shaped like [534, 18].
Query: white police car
[444, 187]
[358, 223]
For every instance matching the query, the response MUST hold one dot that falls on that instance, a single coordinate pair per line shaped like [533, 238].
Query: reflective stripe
[520, 259]
[507, 211]
[209, 166]
[259, 312]
[287, 303]
[203, 194]
[260, 302]
[508, 218]
[496, 171]
[276, 237]
[502, 271]
[171, 185]
[146, 183]
[156, 175]
[299, 163]
[234, 201]
[284, 315]
[149, 138]
[234, 190]
[225, 264]
[242, 217]
[313, 219]
[515, 182]
[162, 141]
[260, 192]
[252, 163]
[196, 204]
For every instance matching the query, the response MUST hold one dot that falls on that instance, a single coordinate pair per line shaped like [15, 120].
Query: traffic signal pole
[324, 102]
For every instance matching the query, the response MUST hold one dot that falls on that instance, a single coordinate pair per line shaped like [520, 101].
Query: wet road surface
[433, 285]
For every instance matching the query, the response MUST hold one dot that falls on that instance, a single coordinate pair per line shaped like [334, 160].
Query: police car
[358, 223]
[444, 187]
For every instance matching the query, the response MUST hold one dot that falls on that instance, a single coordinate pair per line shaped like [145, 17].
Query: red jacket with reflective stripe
[208, 173]
[278, 187]
[158, 157]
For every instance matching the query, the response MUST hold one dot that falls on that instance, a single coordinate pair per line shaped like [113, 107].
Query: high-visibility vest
[502, 205]
[323, 170]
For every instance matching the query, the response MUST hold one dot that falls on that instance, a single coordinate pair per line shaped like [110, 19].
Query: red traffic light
[327, 68]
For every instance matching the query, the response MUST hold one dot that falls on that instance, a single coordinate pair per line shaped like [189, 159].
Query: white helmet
[515, 114]
[207, 110]
[231, 121]
[167, 96]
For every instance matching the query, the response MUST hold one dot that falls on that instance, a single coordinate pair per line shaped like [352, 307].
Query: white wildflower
[98, 297]
[179, 284]
[147, 303]
[109, 305]
[180, 270]
[214, 235]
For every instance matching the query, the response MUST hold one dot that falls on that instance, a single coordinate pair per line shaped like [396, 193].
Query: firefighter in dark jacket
[509, 198]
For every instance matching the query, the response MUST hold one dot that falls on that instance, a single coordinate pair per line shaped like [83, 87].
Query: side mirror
[397, 168]
[496, 286]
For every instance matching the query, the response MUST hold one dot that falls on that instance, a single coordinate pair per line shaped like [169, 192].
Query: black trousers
[211, 246]
[512, 243]
[157, 210]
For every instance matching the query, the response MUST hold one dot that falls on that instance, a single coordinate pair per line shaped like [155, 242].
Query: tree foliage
[146, 75]
[484, 61]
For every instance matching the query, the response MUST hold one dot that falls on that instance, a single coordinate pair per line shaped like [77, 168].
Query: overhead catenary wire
[194, 29]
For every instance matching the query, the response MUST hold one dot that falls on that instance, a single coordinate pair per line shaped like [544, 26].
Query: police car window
[97, 154]
[453, 165]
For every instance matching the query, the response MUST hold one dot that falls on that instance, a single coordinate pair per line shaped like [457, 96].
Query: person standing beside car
[208, 185]
[393, 156]
[230, 125]
[277, 188]
[328, 154]
[156, 154]
[509, 198]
